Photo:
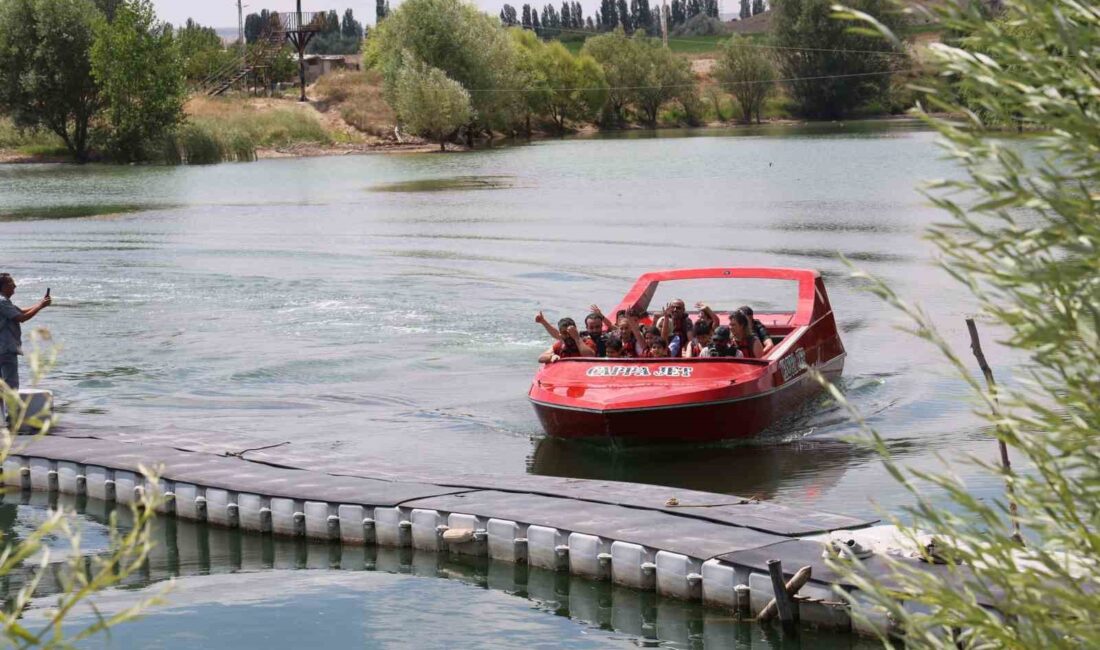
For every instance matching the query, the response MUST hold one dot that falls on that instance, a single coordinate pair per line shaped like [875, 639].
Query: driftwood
[783, 604]
[976, 347]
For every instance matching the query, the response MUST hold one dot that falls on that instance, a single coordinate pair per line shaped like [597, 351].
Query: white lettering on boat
[793, 363]
[639, 371]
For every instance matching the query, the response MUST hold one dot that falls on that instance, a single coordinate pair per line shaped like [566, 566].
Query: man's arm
[607, 324]
[30, 312]
[705, 310]
[550, 329]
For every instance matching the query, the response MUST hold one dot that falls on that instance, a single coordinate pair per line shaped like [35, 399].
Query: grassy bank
[29, 142]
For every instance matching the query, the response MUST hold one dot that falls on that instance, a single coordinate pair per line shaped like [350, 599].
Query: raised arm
[666, 323]
[31, 312]
[705, 310]
[550, 329]
[607, 324]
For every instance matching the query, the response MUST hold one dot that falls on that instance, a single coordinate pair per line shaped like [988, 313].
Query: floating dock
[680, 543]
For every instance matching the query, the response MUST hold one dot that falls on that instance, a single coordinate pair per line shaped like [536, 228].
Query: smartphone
[47, 292]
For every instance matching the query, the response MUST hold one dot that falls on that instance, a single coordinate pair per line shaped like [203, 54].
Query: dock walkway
[682, 543]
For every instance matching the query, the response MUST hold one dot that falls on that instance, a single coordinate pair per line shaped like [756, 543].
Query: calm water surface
[384, 305]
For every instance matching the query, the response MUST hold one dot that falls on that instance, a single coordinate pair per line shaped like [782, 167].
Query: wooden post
[790, 589]
[782, 599]
[1006, 465]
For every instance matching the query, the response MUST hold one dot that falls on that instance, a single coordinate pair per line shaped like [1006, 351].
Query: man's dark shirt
[725, 351]
[599, 342]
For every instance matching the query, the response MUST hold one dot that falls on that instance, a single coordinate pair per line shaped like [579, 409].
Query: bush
[430, 104]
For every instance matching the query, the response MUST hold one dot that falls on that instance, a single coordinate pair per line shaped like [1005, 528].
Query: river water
[383, 305]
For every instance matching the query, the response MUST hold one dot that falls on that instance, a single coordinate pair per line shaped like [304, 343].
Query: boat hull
[697, 422]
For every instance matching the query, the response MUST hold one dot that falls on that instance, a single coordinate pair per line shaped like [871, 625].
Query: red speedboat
[695, 399]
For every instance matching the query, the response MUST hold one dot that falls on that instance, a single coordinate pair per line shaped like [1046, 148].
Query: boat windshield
[725, 294]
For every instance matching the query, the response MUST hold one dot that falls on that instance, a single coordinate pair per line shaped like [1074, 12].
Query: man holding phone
[11, 332]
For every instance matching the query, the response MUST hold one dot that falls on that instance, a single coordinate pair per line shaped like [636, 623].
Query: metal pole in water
[1006, 465]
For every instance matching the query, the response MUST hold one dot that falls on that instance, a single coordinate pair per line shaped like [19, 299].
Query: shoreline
[314, 150]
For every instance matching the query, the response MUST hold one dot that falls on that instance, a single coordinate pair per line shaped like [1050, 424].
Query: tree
[1022, 233]
[468, 45]
[757, 7]
[568, 87]
[527, 16]
[508, 16]
[350, 28]
[624, 16]
[816, 46]
[746, 73]
[381, 8]
[677, 12]
[667, 77]
[137, 65]
[624, 69]
[430, 104]
[46, 72]
[746, 9]
[202, 51]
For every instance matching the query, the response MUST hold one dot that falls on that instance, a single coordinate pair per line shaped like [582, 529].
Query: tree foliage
[746, 73]
[136, 63]
[667, 77]
[842, 68]
[469, 46]
[568, 87]
[430, 104]
[45, 68]
[1023, 237]
[202, 51]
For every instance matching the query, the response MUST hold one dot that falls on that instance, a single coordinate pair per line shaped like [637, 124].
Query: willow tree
[430, 104]
[747, 73]
[1023, 236]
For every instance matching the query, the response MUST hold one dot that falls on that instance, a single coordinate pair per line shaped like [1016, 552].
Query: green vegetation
[841, 67]
[1023, 237]
[45, 75]
[429, 103]
[747, 74]
[137, 66]
[28, 140]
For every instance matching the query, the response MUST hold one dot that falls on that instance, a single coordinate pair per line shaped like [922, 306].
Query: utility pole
[664, 22]
[240, 27]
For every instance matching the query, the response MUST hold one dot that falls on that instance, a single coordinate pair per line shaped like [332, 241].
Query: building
[318, 65]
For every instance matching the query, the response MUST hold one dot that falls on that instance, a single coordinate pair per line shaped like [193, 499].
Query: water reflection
[310, 577]
[752, 470]
[453, 184]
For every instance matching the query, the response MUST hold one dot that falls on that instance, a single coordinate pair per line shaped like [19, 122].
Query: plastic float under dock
[682, 543]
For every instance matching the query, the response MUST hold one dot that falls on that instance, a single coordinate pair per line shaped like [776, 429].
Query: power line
[692, 85]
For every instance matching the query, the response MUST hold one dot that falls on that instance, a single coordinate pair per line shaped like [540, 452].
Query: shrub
[746, 73]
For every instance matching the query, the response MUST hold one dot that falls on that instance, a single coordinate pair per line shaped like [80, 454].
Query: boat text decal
[639, 371]
[793, 363]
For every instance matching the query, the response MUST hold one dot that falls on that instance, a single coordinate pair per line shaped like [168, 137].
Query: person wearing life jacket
[700, 340]
[745, 339]
[675, 325]
[569, 344]
[758, 328]
[594, 324]
[720, 344]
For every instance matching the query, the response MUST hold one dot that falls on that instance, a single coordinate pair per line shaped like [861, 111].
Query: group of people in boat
[671, 333]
